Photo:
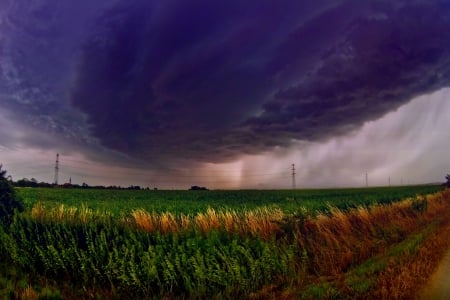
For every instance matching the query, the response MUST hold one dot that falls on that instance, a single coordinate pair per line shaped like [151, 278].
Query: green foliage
[120, 202]
[364, 277]
[188, 264]
[295, 223]
[322, 290]
[419, 204]
[9, 202]
[49, 294]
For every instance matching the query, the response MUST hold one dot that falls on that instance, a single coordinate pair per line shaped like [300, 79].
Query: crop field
[120, 202]
[128, 244]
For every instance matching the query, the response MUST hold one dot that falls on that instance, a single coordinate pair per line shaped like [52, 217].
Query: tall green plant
[9, 202]
[139, 264]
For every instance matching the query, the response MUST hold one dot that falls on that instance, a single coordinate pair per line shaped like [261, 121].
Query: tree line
[25, 182]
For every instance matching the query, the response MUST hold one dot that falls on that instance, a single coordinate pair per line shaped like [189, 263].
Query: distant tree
[448, 180]
[198, 188]
[33, 182]
[9, 202]
[25, 182]
[134, 187]
[67, 185]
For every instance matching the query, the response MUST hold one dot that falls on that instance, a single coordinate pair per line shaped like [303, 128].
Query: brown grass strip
[337, 244]
[337, 241]
[407, 279]
[264, 222]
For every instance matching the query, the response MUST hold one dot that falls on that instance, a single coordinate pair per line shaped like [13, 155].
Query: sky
[226, 94]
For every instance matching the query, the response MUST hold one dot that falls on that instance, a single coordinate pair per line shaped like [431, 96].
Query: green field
[93, 258]
[120, 202]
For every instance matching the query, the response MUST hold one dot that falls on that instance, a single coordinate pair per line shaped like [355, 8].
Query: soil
[439, 284]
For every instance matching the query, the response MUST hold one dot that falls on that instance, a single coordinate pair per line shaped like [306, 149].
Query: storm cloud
[212, 80]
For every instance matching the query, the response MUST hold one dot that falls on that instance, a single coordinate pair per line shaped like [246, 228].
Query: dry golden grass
[185, 221]
[168, 223]
[407, 280]
[229, 220]
[152, 222]
[28, 293]
[210, 220]
[144, 220]
[38, 211]
[340, 239]
[262, 221]
[71, 214]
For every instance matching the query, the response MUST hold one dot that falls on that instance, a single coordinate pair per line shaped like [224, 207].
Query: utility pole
[367, 180]
[293, 176]
[56, 168]
[389, 180]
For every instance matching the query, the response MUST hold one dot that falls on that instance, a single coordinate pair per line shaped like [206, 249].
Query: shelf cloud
[210, 81]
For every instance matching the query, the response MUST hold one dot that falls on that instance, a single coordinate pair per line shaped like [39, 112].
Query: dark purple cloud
[386, 59]
[211, 80]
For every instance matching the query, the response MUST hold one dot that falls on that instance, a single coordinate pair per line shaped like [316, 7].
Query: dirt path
[439, 283]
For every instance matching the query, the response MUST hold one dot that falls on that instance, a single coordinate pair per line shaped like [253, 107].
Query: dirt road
[439, 284]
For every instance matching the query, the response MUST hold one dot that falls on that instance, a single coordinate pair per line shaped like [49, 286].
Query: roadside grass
[368, 279]
[364, 279]
[399, 270]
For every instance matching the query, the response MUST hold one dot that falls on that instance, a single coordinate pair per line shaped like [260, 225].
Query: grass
[364, 278]
[404, 251]
[320, 252]
[397, 273]
[263, 221]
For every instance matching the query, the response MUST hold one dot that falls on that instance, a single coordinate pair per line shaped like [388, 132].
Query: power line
[166, 170]
[165, 177]
[141, 171]
[28, 174]
[173, 178]
[182, 181]
[170, 173]
[158, 178]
